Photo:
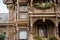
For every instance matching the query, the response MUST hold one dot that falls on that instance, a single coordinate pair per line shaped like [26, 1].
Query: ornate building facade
[31, 18]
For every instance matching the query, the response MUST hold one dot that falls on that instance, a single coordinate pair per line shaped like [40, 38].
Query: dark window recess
[56, 1]
[59, 31]
[59, 28]
[53, 1]
[4, 33]
[46, 1]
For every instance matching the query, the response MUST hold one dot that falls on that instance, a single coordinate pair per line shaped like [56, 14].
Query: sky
[3, 12]
[3, 17]
[3, 7]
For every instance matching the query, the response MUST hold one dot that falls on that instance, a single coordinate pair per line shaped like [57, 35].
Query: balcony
[42, 8]
[34, 10]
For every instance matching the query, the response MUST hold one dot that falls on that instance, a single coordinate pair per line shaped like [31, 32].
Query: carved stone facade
[25, 19]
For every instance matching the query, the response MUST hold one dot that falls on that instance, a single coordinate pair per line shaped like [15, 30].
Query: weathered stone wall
[11, 33]
[2, 29]
[11, 13]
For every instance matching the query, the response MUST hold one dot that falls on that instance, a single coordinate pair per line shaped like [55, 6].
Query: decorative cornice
[8, 1]
[4, 1]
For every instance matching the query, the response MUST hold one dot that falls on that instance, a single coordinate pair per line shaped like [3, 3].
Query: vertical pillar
[11, 12]
[7, 32]
[17, 9]
[31, 29]
[56, 29]
[17, 31]
[31, 3]
[43, 19]
[15, 13]
[14, 32]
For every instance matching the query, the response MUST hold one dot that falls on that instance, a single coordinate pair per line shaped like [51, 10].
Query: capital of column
[10, 7]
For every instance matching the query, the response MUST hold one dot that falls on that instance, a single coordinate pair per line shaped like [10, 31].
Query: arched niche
[44, 29]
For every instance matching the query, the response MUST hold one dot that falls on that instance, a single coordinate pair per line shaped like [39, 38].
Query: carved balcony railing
[34, 10]
[51, 12]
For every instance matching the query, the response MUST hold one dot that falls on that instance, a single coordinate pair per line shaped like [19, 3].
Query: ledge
[6, 24]
[8, 1]
[42, 15]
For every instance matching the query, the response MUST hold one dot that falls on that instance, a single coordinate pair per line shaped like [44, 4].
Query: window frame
[22, 13]
[23, 31]
[22, 7]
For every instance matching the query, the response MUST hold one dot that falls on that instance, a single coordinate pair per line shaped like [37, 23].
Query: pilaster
[17, 28]
[7, 32]
[31, 3]
[56, 31]
[17, 9]
[31, 29]
[56, 26]
[11, 12]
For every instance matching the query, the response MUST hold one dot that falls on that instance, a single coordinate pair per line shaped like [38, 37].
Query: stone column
[31, 3]
[11, 12]
[56, 29]
[15, 13]
[7, 35]
[17, 28]
[31, 29]
[17, 9]
[57, 25]
[14, 32]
